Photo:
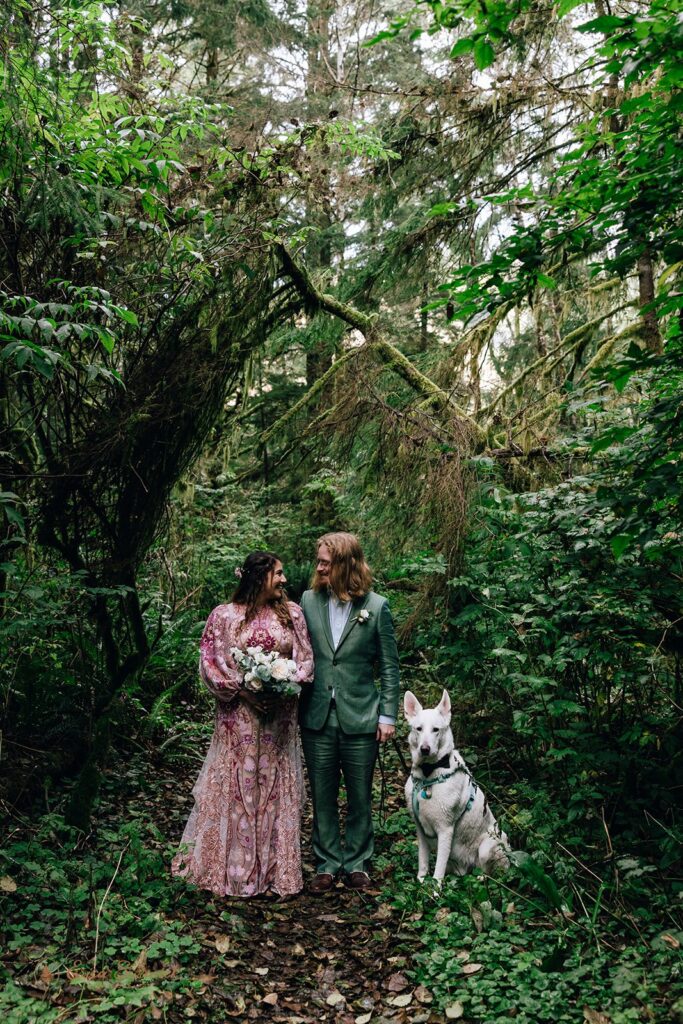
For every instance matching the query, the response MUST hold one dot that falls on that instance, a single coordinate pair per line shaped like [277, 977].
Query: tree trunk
[319, 91]
[646, 296]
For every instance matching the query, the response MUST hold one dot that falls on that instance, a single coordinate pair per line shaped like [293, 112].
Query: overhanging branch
[368, 326]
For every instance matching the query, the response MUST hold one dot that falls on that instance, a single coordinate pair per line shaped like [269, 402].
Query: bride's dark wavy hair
[255, 570]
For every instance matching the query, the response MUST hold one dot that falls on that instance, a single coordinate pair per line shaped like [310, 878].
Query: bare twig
[101, 907]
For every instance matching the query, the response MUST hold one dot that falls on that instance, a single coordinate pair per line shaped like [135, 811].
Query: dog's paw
[422, 878]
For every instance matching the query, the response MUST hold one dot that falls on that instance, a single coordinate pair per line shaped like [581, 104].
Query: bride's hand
[260, 701]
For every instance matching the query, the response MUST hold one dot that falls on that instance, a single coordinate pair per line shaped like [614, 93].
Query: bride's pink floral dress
[242, 837]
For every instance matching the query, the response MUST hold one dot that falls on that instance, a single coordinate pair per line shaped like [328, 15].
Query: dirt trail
[335, 957]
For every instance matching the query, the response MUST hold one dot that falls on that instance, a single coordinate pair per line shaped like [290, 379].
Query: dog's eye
[435, 728]
[418, 728]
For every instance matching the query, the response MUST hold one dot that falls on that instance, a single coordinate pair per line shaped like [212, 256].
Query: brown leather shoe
[358, 880]
[321, 883]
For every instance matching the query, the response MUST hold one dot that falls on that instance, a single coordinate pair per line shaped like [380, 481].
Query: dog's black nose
[424, 750]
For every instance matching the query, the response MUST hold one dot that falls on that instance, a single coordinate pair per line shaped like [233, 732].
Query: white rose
[280, 669]
[292, 670]
[253, 652]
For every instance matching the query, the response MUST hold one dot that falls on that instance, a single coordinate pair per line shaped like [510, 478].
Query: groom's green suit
[339, 736]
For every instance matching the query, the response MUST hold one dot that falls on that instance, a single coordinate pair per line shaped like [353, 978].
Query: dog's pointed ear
[444, 706]
[411, 705]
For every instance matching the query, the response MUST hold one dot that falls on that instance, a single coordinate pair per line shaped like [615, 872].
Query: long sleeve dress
[243, 835]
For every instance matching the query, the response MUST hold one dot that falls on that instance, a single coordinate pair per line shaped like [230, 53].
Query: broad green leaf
[484, 54]
[620, 543]
[565, 6]
[607, 23]
[535, 874]
[462, 47]
[126, 314]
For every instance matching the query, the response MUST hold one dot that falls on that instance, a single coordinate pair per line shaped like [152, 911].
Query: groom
[343, 715]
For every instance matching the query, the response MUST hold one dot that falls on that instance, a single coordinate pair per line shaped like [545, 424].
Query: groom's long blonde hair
[350, 574]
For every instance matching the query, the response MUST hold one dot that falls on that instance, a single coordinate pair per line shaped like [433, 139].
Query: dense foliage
[268, 270]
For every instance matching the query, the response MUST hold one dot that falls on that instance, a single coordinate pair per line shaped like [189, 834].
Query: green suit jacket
[366, 648]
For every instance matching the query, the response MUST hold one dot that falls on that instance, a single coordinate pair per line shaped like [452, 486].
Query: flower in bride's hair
[238, 572]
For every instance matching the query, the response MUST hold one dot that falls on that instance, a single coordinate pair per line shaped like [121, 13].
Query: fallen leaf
[139, 965]
[403, 1000]
[471, 968]
[335, 998]
[423, 995]
[298, 950]
[455, 1010]
[270, 999]
[7, 884]
[222, 943]
[397, 983]
[364, 1018]
[477, 918]
[46, 975]
[671, 940]
[595, 1017]
[262, 971]
[463, 954]
[383, 913]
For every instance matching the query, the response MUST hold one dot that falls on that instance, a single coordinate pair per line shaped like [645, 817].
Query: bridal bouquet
[267, 671]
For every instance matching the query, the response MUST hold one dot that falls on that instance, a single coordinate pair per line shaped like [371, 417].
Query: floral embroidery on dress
[260, 636]
[243, 835]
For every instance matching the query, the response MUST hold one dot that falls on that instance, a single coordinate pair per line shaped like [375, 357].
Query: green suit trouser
[330, 753]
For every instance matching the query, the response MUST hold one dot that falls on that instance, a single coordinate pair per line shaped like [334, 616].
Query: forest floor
[339, 956]
[297, 960]
[96, 929]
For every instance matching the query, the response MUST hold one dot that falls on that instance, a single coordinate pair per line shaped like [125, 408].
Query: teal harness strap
[423, 788]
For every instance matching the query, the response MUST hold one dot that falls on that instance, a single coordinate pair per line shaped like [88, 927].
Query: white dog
[450, 811]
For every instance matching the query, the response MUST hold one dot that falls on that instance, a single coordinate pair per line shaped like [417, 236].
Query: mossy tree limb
[368, 326]
[550, 359]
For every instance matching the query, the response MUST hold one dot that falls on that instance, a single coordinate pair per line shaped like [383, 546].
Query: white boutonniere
[363, 616]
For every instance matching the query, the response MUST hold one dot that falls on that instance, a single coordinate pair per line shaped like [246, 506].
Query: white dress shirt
[339, 616]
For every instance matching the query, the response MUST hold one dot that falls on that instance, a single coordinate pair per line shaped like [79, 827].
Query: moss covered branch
[306, 399]
[367, 324]
[550, 359]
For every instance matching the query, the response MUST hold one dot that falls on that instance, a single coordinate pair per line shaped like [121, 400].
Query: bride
[242, 837]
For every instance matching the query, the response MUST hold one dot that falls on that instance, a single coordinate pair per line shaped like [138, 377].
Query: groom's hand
[385, 732]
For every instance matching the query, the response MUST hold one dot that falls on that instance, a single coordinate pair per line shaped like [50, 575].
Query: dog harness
[423, 788]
